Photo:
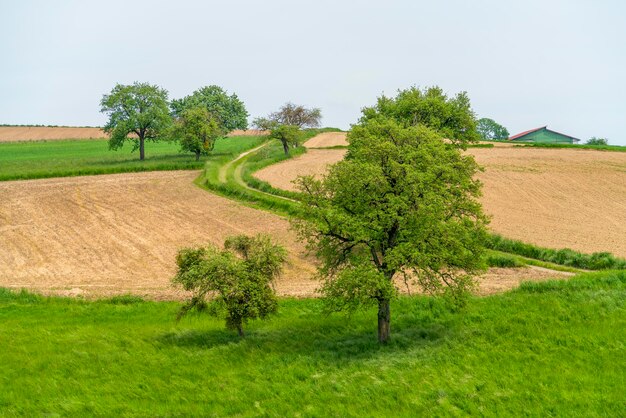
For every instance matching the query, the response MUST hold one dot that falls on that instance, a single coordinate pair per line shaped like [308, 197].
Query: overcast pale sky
[523, 63]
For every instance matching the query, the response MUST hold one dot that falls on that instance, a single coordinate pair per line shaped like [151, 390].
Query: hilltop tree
[227, 110]
[451, 117]
[292, 115]
[234, 283]
[489, 129]
[140, 110]
[288, 135]
[403, 204]
[196, 131]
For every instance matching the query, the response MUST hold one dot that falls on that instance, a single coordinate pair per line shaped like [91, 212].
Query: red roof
[526, 133]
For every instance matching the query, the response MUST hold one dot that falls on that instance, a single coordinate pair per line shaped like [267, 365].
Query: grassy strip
[615, 148]
[502, 259]
[32, 160]
[480, 146]
[564, 257]
[127, 357]
[269, 155]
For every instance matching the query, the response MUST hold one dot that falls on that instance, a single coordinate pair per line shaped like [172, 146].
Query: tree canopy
[139, 110]
[403, 204]
[227, 110]
[597, 141]
[451, 117]
[234, 283]
[196, 131]
[489, 129]
[292, 115]
[288, 135]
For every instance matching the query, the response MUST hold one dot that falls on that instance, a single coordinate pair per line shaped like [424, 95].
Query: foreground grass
[43, 159]
[547, 349]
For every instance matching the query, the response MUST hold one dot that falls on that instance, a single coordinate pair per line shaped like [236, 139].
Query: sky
[524, 64]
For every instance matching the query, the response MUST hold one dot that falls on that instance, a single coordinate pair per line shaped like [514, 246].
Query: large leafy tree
[196, 131]
[450, 117]
[403, 204]
[489, 129]
[138, 113]
[234, 283]
[227, 110]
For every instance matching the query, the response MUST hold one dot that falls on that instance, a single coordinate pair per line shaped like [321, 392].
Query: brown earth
[327, 139]
[550, 197]
[115, 234]
[38, 133]
[41, 133]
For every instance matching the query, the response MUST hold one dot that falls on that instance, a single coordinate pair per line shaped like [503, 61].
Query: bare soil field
[39, 133]
[116, 234]
[327, 139]
[44, 133]
[550, 197]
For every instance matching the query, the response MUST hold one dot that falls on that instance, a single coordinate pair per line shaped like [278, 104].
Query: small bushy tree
[234, 283]
[227, 110]
[489, 129]
[297, 115]
[288, 135]
[196, 131]
[597, 141]
[138, 112]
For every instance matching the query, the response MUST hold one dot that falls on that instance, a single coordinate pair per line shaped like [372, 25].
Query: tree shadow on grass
[331, 341]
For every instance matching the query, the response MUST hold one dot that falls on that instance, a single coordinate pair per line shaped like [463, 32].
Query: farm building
[543, 134]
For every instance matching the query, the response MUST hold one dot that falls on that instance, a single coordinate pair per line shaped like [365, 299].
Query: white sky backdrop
[523, 63]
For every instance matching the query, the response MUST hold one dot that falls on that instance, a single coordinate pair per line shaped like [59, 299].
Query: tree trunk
[240, 330]
[197, 155]
[285, 147]
[384, 319]
[142, 151]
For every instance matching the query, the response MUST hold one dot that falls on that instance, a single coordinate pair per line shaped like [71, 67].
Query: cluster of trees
[286, 123]
[403, 205]
[490, 130]
[597, 141]
[141, 112]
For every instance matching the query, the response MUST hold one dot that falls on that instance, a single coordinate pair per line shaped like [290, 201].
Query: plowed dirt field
[550, 197]
[115, 234]
[38, 133]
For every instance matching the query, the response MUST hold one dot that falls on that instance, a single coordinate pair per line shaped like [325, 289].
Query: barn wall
[546, 136]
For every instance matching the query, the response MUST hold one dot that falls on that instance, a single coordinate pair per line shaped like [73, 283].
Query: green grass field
[42, 159]
[548, 349]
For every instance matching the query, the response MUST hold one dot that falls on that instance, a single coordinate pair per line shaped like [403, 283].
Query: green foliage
[196, 131]
[564, 337]
[450, 117]
[140, 110]
[490, 130]
[227, 110]
[403, 201]
[32, 160]
[288, 135]
[237, 280]
[503, 260]
[566, 257]
[597, 141]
